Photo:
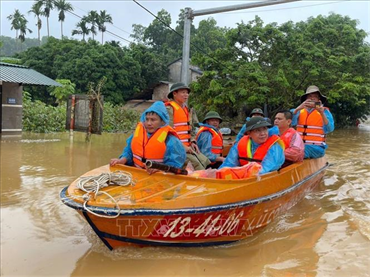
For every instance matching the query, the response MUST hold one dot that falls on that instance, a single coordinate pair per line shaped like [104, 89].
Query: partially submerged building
[12, 79]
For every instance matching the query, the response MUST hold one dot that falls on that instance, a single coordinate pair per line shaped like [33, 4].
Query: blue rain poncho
[315, 151]
[204, 142]
[272, 131]
[273, 160]
[175, 152]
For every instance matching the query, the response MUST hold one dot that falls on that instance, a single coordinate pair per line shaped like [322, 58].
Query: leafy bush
[116, 119]
[41, 118]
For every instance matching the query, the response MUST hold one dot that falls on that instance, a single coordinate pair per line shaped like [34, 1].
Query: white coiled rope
[93, 184]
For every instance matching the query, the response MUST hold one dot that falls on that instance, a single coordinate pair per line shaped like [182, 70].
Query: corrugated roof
[21, 74]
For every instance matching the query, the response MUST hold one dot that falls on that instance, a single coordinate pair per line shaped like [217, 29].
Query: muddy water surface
[326, 234]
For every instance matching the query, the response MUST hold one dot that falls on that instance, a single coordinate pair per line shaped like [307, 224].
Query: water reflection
[326, 234]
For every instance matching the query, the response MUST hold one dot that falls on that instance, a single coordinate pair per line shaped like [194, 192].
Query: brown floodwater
[326, 234]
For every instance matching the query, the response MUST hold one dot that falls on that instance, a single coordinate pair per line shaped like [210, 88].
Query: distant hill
[10, 46]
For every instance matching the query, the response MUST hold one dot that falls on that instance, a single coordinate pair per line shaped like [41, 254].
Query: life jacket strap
[250, 159]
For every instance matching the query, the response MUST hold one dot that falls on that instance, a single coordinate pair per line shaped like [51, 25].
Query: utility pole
[190, 14]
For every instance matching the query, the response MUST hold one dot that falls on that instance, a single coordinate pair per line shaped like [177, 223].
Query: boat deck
[162, 190]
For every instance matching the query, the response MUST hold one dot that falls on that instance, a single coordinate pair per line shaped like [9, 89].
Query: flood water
[326, 234]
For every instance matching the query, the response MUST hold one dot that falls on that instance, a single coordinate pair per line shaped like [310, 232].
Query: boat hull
[195, 226]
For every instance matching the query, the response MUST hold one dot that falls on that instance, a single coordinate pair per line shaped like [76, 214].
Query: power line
[180, 35]
[109, 32]
[109, 23]
[289, 8]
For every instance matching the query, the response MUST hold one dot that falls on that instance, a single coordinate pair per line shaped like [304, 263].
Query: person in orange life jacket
[313, 121]
[209, 139]
[181, 118]
[257, 145]
[256, 112]
[294, 146]
[154, 140]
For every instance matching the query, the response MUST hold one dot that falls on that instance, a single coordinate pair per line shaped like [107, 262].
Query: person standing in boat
[294, 146]
[313, 121]
[153, 140]
[257, 146]
[255, 112]
[209, 139]
[181, 119]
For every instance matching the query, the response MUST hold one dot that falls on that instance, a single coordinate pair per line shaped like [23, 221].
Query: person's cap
[256, 122]
[256, 111]
[212, 114]
[313, 89]
[175, 87]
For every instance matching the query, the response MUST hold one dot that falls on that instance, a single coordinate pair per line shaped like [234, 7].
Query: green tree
[16, 21]
[271, 64]
[63, 7]
[138, 31]
[93, 19]
[82, 28]
[48, 6]
[62, 93]
[102, 19]
[36, 9]
[23, 29]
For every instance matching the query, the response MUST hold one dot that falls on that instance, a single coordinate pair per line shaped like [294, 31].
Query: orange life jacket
[245, 156]
[153, 148]
[287, 137]
[181, 122]
[217, 140]
[311, 127]
[245, 149]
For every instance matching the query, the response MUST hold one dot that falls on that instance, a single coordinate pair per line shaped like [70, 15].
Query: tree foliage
[62, 93]
[128, 70]
[274, 65]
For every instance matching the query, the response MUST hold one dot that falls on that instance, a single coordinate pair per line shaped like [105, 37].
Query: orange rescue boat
[164, 209]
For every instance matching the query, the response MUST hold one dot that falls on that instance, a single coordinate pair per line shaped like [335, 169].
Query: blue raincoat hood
[160, 109]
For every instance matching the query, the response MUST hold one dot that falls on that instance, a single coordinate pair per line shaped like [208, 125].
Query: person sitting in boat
[209, 139]
[153, 140]
[257, 146]
[255, 112]
[294, 146]
[181, 119]
[313, 122]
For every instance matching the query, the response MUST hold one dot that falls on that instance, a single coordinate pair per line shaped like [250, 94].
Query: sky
[126, 12]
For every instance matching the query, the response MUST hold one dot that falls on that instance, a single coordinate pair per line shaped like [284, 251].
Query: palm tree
[103, 18]
[15, 21]
[48, 5]
[62, 6]
[23, 29]
[37, 11]
[93, 19]
[82, 28]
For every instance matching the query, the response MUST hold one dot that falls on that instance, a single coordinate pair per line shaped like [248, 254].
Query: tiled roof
[21, 74]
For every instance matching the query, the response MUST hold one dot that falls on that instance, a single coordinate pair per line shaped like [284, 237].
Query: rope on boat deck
[92, 185]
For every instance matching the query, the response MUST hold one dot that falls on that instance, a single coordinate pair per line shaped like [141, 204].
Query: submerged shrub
[41, 118]
[117, 119]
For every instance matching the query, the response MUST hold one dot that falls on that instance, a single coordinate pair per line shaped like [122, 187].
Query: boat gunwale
[191, 210]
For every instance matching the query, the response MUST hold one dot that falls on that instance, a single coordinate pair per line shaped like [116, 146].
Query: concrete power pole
[190, 14]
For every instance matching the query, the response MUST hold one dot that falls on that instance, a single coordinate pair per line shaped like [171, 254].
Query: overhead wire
[180, 35]
[109, 23]
[288, 8]
[109, 32]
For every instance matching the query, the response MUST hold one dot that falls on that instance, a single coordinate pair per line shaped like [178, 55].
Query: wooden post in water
[72, 118]
[88, 134]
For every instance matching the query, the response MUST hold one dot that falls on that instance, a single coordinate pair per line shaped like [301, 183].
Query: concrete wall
[161, 91]
[174, 75]
[11, 109]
